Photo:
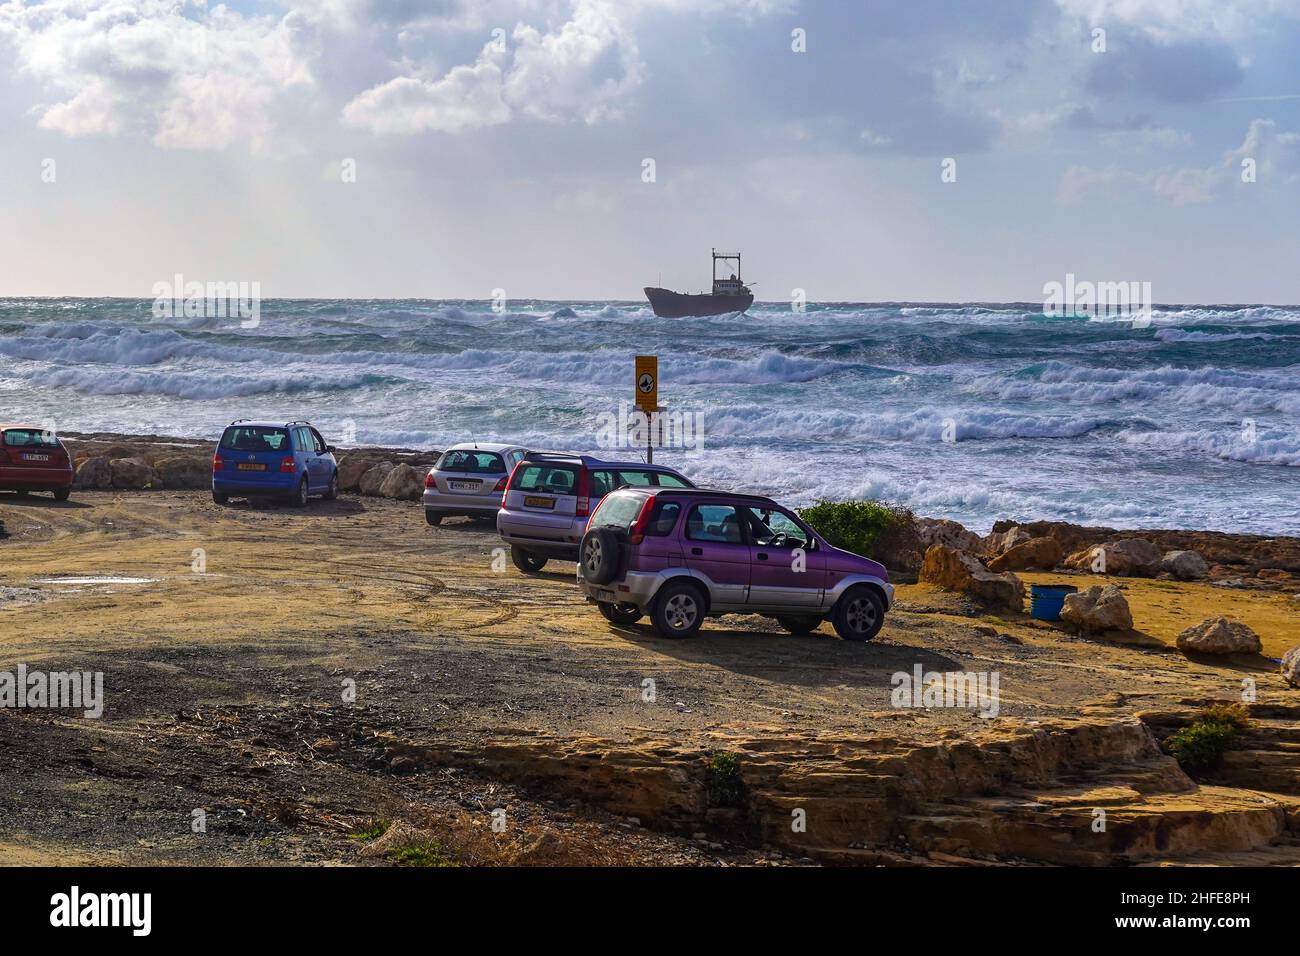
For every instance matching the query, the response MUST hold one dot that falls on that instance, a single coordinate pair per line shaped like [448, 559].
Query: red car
[33, 459]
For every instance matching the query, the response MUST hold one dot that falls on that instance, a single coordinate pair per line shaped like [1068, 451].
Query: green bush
[883, 532]
[722, 780]
[1201, 745]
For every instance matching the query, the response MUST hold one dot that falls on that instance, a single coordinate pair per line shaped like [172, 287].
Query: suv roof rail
[238, 420]
[301, 421]
[711, 491]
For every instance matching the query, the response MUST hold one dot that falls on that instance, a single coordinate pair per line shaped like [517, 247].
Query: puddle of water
[95, 580]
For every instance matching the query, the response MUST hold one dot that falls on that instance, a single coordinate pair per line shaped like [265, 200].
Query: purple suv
[681, 555]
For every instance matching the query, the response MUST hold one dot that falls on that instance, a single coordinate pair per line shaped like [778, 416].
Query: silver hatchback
[469, 480]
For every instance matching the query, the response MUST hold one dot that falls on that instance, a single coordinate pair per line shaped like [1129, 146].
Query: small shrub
[427, 854]
[885, 533]
[722, 781]
[372, 830]
[1200, 746]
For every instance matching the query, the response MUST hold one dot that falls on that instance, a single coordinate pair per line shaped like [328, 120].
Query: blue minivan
[269, 459]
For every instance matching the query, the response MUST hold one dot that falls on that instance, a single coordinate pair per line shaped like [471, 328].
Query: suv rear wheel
[526, 561]
[620, 613]
[300, 498]
[859, 615]
[599, 555]
[220, 497]
[433, 517]
[800, 624]
[678, 610]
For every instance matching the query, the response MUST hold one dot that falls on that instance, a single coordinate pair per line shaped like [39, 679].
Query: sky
[919, 150]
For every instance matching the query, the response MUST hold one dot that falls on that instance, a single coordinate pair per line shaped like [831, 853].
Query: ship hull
[676, 305]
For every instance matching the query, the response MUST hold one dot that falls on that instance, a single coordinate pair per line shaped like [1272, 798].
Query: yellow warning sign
[647, 382]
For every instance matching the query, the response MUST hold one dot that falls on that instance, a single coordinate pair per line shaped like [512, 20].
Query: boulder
[351, 469]
[1291, 666]
[1130, 557]
[1184, 565]
[94, 473]
[184, 471]
[942, 531]
[1218, 635]
[958, 571]
[1098, 609]
[404, 483]
[1000, 542]
[133, 474]
[373, 479]
[1043, 553]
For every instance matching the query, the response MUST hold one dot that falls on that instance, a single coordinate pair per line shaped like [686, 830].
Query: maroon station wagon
[681, 555]
[33, 459]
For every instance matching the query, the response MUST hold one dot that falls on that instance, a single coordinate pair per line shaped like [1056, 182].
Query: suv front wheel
[679, 610]
[859, 615]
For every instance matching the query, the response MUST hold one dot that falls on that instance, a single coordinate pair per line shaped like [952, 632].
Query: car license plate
[532, 502]
[463, 485]
[36, 457]
[605, 595]
[255, 466]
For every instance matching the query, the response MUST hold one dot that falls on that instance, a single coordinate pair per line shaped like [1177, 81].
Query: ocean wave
[1259, 446]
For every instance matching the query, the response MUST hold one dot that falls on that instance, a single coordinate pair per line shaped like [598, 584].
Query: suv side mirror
[330, 449]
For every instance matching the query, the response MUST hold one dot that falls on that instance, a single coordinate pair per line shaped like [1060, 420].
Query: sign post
[647, 397]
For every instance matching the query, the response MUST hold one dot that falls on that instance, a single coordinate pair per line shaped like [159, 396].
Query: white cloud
[1182, 186]
[191, 77]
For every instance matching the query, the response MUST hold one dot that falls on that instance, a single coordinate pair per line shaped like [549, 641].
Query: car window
[602, 483]
[321, 443]
[775, 530]
[635, 479]
[618, 511]
[670, 481]
[663, 518]
[719, 523]
[472, 462]
[30, 438]
[551, 479]
[255, 438]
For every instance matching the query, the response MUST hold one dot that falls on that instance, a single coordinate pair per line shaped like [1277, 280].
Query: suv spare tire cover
[600, 571]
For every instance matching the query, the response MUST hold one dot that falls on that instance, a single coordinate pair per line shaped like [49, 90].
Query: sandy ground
[225, 680]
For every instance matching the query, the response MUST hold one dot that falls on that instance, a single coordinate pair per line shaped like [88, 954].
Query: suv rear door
[30, 454]
[252, 454]
[714, 543]
[543, 494]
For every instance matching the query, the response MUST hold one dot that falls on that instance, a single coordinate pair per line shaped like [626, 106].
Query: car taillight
[288, 464]
[584, 494]
[501, 485]
[428, 479]
[217, 463]
[509, 481]
[637, 534]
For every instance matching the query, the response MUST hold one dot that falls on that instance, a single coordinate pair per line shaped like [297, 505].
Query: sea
[970, 411]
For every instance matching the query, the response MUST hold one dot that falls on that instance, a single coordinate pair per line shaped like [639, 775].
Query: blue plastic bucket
[1046, 600]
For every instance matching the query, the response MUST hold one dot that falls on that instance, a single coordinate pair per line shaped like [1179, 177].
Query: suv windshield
[551, 479]
[30, 438]
[255, 438]
[472, 462]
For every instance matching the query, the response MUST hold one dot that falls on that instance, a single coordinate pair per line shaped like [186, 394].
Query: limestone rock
[942, 531]
[1218, 635]
[133, 474]
[958, 571]
[1098, 609]
[1184, 565]
[184, 471]
[1000, 542]
[372, 481]
[1043, 553]
[1291, 666]
[351, 469]
[403, 482]
[1131, 557]
[94, 473]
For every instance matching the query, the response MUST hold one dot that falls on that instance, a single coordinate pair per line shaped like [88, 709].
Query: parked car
[34, 459]
[469, 479]
[287, 460]
[549, 496]
[681, 555]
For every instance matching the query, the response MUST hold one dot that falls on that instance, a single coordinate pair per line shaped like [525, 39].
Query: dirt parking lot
[292, 676]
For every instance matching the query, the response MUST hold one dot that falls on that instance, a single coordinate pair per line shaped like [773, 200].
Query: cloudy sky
[504, 144]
